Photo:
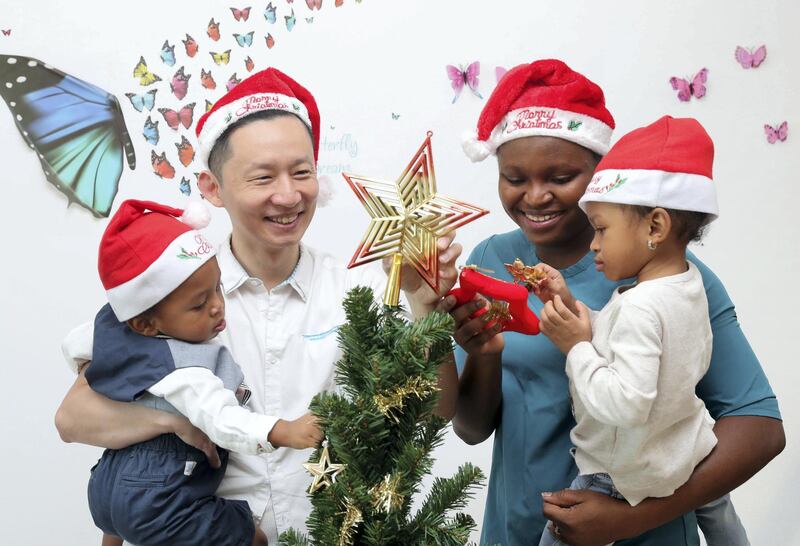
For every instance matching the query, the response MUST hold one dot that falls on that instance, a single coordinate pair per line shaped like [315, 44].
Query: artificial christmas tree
[380, 432]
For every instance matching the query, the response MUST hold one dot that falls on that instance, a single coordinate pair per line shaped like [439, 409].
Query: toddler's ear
[143, 325]
[660, 225]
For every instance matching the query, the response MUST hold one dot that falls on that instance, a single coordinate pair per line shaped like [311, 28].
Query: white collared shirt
[285, 342]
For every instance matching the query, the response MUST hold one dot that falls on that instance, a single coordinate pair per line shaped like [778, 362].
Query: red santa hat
[544, 98]
[147, 251]
[665, 164]
[269, 89]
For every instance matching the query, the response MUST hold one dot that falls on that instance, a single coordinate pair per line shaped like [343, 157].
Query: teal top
[531, 443]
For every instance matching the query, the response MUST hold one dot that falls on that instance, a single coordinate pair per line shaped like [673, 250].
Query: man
[283, 299]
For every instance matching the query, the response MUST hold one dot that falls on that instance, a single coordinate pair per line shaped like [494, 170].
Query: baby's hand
[301, 433]
[553, 285]
[565, 328]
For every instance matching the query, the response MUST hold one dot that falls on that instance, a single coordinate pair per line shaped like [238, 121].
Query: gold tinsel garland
[385, 497]
[352, 517]
[389, 402]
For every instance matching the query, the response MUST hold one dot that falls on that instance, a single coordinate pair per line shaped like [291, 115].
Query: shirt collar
[234, 275]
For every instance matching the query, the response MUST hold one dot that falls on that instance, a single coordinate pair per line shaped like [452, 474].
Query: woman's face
[541, 181]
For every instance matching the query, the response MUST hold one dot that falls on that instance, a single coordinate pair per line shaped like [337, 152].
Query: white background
[364, 62]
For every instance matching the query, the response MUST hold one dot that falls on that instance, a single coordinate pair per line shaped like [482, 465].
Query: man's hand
[301, 433]
[195, 437]
[588, 518]
[564, 328]
[421, 297]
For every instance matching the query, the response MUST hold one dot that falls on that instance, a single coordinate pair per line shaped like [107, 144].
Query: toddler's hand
[553, 285]
[301, 433]
[564, 328]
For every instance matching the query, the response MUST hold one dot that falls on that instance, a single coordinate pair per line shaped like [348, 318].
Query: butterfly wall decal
[207, 79]
[339, 3]
[142, 102]
[290, 21]
[185, 187]
[460, 77]
[309, 20]
[180, 84]
[161, 165]
[184, 116]
[76, 129]
[244, 40]
[269, 14]
[241, 14]
[232, 82]
[185, 151]
[150, 131]
[314, 4]
[499, 72]
[209, 105]
[6, 32]
[687, 89]
[213, 30]
[395, 116]
[774, 135]
[270, 41]
[168, 53]
[143, 73]
[221, 58]
[750, 58]
[249, 64]
[191, 46]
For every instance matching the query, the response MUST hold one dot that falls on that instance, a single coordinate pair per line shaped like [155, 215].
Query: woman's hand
[473, 334]
[565, 328]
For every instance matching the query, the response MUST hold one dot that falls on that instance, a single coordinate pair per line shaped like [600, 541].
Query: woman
[548, 127]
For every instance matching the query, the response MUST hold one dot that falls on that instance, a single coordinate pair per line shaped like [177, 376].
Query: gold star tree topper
[407, 219]
[323, 471]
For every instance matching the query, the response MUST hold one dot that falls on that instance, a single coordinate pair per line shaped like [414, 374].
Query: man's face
[269, 183]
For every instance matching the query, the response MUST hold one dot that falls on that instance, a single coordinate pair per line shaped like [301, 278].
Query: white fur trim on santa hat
[581, 129]
[230, 113]
[196, 215]
[179, 260]
[679, 191]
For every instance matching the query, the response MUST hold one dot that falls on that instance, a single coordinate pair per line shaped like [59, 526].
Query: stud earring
[651, 245]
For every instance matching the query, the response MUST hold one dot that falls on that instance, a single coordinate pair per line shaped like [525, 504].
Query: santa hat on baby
[544, 98]
[148, 250]
[665, 164]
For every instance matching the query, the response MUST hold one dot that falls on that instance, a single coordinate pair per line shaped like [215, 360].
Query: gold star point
[323, 471]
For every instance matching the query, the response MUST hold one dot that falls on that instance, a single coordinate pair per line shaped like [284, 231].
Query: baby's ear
[660, 225]
[143, 324]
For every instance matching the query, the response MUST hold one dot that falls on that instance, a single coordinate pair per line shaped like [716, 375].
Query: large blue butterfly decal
[76, 129]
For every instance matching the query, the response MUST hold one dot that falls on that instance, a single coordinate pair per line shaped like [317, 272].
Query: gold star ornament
[323, 471]
[407, 219]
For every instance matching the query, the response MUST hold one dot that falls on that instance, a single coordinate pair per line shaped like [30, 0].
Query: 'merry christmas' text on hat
[665, 164]
[269, 89]
[544, 98]
[147, 251]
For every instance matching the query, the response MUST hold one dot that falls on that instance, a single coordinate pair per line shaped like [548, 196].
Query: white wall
[364, 62]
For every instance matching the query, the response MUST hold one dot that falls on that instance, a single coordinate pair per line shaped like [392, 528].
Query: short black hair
[220, 152]
[689, 226]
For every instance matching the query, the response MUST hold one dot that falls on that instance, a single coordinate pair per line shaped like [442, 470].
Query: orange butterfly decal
[207, 79]
[161, 165]
[249, 64]
[185, 151]
[213, 30]
[270, 41]
[190, 45]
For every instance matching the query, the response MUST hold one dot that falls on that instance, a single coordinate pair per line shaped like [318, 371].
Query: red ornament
[471, 282]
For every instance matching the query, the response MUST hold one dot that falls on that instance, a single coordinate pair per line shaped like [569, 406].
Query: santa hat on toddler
[544, 98]
[269, 89]
[665, 164]
[148, 250]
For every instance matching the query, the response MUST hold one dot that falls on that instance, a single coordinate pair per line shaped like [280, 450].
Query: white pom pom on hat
[196, 215]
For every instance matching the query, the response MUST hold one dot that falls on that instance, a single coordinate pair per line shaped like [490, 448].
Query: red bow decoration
[509, 301]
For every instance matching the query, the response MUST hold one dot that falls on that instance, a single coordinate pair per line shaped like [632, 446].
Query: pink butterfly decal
[180, 84]
[314, 4]
[241, 14]
[686, 89]
[6, 32]
[232, 82]
[774, 135]
[460, 76]
[749, 58]
[499, 72]
[183, 117]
